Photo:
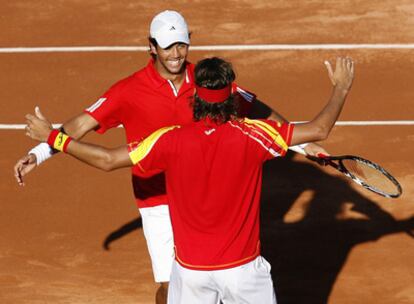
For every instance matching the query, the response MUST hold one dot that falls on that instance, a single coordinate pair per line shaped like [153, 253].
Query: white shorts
[249, 283]
[158, 233]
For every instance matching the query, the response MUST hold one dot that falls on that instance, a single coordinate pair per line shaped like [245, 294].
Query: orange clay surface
[328, 241]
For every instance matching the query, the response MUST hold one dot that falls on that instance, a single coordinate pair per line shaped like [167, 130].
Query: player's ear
[152, 45]
[153, 49]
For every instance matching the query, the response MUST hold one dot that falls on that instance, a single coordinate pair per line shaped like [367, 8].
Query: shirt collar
[207, 122]
[160, 81]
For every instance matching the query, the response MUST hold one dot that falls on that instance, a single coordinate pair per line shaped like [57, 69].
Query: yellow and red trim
[269, 130]
[219, 266]
[58, 140]
[138, 151]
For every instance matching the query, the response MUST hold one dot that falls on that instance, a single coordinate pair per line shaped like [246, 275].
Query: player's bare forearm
[96, 156]
[80, 125]
[311, 149]
[326, 119]
[76, 127]
[39, 128]
[100, 157]
[320, 127]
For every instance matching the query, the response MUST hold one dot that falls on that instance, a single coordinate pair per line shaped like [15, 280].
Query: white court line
[372, 123]
[223, 48]
[339, 123]
[21, 126]
[235, 47]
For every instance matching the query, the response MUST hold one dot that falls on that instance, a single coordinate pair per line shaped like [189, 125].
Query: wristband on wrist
[42, 152]
[58, 140]
[299, 148]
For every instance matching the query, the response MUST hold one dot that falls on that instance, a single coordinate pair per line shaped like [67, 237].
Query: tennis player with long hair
[213, 172]
[153, 97]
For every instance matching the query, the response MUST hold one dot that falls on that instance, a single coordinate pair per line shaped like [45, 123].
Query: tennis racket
[364, 172]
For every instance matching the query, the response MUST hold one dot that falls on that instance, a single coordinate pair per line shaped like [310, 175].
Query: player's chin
[176, 68]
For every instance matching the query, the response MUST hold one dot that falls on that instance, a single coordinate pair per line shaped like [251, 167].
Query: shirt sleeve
[281, 134]
[151, 154]
[107, 110]
[273, 137]
[244, 98]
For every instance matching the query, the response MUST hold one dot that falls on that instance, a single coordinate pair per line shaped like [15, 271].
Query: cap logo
[169, 27]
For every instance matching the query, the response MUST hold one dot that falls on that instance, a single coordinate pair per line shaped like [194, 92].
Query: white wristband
[42, 152]
[299, 148]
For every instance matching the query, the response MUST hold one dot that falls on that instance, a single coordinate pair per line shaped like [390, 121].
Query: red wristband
[58, 140]
[52, 136]
[65, 145]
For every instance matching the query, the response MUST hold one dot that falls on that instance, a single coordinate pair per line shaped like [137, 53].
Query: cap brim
[170, 39]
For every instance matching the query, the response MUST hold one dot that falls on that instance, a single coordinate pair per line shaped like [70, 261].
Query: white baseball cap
[169, 27]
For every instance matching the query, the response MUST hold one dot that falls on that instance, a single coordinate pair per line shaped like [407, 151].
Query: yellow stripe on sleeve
[268, 129]
[145, 146]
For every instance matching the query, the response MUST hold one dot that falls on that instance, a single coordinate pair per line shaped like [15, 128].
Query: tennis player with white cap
[169, 27]
[153, 97]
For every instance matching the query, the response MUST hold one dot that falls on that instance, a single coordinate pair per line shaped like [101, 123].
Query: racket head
[369, 175]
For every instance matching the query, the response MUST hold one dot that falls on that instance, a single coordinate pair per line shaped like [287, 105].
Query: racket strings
[371, 176]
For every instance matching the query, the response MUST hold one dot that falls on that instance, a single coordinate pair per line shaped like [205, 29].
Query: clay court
[73, 234]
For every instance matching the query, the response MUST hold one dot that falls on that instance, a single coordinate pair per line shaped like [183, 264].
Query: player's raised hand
[343, 75]
[38, 127]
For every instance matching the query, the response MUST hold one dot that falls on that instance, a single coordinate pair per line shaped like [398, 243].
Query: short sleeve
[281, 137]
[273, 137]
[151, 154]
[107, 110]
[244, 98]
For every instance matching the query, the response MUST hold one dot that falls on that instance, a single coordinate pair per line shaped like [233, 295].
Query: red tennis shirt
[213, 175]
[143, 103]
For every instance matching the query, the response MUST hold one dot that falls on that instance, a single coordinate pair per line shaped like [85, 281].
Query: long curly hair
[214, 73]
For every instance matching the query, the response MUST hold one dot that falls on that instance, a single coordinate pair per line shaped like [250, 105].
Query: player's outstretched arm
[310, 149]
[320, 127]
[76, 127]
[100, 157]
[40, 129]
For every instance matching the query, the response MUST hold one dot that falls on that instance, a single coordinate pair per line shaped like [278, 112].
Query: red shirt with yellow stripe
[213, 176]
[143, 103]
